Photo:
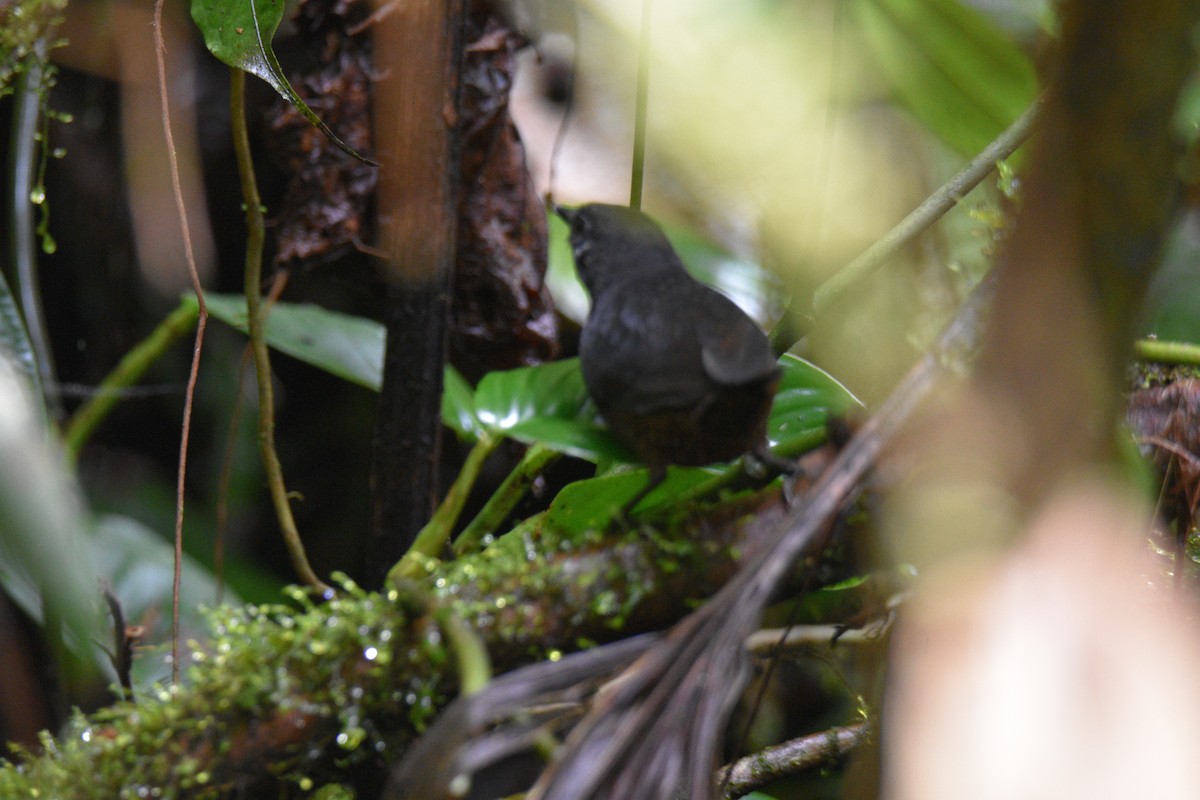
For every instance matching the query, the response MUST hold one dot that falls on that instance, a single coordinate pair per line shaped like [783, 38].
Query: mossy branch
[282, 702]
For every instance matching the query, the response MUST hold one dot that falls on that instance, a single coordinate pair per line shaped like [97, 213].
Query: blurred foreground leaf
[45, 564]
[955, 71]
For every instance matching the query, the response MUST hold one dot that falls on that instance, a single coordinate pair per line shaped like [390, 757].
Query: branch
[816, 751]
[280, 698]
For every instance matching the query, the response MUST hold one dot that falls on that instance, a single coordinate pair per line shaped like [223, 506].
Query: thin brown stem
[235, 418]
[160, 50]
[637, 176]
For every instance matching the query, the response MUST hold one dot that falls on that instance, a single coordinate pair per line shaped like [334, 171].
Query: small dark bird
[680, 374]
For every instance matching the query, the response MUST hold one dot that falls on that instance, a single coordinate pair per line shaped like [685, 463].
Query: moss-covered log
[284, 700]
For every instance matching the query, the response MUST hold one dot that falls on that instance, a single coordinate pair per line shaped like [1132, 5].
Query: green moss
[299, 696]
[23, 25]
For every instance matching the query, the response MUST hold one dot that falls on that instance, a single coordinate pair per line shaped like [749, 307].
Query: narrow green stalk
[126, 373]
[502, 502]
[1168, 352]
[431, 541]
[470, 655]
[22, 244]
[929, 212]
[256, 323]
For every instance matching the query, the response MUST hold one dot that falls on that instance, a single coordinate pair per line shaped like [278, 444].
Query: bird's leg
[768, 462]
[765, 461]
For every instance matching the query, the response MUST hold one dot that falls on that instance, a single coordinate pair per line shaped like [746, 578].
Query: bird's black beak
[567, 214]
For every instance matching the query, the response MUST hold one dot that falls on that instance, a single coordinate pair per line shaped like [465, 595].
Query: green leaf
[546, 404]
[570, 298]
[505, 400]
[343, 345]
[239, 33]
[806, 398]
[755, 289]
[950, 66]
[458, 405]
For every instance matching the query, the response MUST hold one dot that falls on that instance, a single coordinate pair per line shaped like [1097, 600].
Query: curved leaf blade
[239, 33]
[505, 399]
[546, 404]
[589, 504]
[458, 405]
[15, 343]
[950, 66]
[807, 397]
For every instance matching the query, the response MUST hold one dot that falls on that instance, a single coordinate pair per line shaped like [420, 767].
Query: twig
[160, 50]
[126, 373]
[638, 170]
[222, 506]
[929, 212]
[1167, 352]
[773, 641]
[817, 750]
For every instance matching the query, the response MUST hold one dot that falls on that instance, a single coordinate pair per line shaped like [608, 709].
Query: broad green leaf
[458, 405]
[755, 289]
[570, 298]
[806, 398]
[239, 33]
[139, 566]
[583, 437]
[505, 399]
[343, 345]
[950, 66]
[545, 404]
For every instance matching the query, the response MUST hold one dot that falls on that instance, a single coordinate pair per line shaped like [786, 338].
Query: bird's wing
[733, 349]
[642, 356]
